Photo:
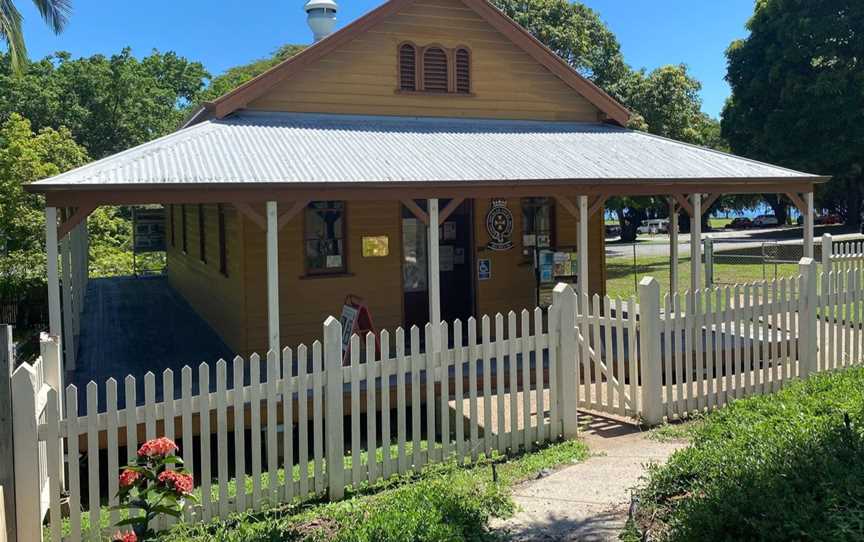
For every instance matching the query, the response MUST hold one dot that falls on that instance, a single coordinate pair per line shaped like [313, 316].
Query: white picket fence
[508, 383]
[489, 392]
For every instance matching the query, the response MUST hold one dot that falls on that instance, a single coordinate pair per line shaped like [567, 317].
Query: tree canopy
[236, 76]
[26, 156]
[108, 104]
[798, 93]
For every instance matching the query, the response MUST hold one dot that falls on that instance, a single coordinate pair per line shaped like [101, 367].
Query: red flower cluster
[161, 446]
[125, 537]
[128, 477]
[181, 483]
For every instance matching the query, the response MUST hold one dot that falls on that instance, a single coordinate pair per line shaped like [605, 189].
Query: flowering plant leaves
[153, 483]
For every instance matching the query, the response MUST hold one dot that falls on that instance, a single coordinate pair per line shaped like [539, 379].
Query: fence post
[649, 350]
[27, 495]
[807, 347]
[709, 261]
[333, 417]
[7, 459]
[49, 349]
[827, 248]
[564, 301]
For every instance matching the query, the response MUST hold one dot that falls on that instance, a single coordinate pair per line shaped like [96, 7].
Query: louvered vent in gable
[435, 70]
[407, 67]
[463, 71]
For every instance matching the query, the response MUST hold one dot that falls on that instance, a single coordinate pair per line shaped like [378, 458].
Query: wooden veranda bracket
[447, 211]
[798, 201]
[293, 211]
[246, 210]
[707, 201]
[80, 214]
[596, 204]
[684, 204]
[261, 221]
[571, 207]
[415, 209]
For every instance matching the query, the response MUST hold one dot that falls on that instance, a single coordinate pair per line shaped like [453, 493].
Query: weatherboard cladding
[253, 147]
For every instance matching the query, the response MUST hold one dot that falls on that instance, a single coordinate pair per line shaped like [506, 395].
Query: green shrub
[785, 466]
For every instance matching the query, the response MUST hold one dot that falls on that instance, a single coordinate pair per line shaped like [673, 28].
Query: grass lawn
[624, 274]
[786, 466]
[447, 501]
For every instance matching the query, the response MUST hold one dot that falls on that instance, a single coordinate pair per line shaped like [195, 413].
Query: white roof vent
[321, 17]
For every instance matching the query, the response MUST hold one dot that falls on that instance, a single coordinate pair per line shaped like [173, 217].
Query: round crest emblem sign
[499, 226]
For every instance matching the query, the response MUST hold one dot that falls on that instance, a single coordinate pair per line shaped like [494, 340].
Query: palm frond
[11, 33]
[54, 12]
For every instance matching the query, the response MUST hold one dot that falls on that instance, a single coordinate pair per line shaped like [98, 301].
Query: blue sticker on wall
[484, 269]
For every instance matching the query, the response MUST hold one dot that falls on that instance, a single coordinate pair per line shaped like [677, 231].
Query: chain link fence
[725, 261]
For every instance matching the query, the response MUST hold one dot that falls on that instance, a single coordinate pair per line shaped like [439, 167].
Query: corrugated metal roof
[297, 148]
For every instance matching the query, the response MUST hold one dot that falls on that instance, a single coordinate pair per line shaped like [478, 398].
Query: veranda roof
[250, 148]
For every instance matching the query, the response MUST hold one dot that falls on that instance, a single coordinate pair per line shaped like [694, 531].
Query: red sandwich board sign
[356, 318]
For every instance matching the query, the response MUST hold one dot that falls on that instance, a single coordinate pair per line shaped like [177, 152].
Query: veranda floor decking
[131, 325]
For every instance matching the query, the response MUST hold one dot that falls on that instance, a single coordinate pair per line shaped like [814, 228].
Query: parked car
[822, 220]
[653, 226]
[829, 218]
[740, 223]
[613, 230]
[762, 221]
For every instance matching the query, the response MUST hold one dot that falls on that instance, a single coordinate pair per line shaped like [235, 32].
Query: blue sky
[221, 34]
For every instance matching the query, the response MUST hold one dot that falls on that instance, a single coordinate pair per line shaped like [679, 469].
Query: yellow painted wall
[361, 76]
[236, 305]
[306, 301]
[218, 299]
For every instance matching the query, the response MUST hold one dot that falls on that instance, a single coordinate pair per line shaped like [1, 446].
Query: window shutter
[463, 71]
[407, 67]
[435, 70]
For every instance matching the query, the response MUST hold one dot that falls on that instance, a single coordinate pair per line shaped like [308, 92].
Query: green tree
[109, 104]
[798, 94]
[54, 12]
[576, 33]
[25, 157]
[236, 76]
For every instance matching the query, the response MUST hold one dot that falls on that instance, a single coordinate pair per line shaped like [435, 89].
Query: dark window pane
[324, 237]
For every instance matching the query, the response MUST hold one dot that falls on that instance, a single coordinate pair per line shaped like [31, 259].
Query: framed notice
[148, 229]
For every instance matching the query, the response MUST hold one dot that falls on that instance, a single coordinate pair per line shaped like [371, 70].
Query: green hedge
[786, 466]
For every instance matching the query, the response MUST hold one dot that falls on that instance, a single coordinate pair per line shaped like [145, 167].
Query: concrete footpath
[588, 501]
